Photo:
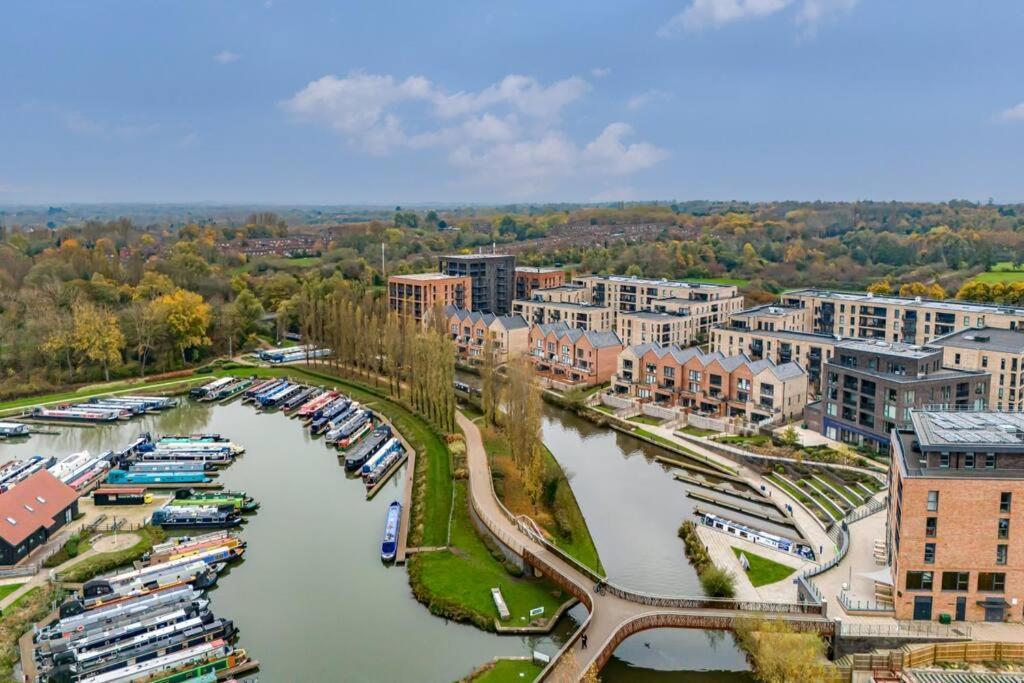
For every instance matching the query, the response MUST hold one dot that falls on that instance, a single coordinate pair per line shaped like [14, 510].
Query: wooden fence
[973, 651]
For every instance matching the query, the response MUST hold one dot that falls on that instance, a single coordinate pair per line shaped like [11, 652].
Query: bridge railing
[730, 604]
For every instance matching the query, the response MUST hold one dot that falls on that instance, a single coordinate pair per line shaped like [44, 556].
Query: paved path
[614, 613]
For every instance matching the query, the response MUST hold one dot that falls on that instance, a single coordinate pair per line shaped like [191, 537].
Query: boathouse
[31, 512]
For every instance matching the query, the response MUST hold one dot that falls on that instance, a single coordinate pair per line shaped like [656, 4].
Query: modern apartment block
[529, 278]
[492, 275]
[509, 335]
[956, 516]
[573, 356]
[706, 304]
[648, 327]
[771, 317]
[998, 352]
[582, 316]
[417, 295]
[870, 388]
[711, 383]
[900, 319]
[809, 351]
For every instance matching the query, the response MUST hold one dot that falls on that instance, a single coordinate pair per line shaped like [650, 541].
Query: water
[311, 598]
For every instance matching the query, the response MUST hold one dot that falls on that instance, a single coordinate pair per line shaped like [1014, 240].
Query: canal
[312, 599]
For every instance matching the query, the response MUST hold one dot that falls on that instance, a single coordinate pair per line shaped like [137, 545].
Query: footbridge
[615, 613]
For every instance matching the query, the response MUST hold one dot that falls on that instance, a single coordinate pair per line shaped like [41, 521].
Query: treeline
[417, 363]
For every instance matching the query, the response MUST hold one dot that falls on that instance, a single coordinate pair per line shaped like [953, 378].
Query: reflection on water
[677, 656]
[312, 599]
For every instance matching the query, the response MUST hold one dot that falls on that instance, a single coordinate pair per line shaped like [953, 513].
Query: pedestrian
[583, 641]
[821, 550]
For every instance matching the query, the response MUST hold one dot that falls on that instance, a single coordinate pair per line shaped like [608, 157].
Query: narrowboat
[334, 418]
[151, 478]
[75, 415]
[66, 627]
[189, 438]
[757, 536]
[122, 412]
[262, 390]
[281, 395]
[18, 470]
[127, 495]
[104, 591]
[307, 409]
[172, 466]
[166, 669]
[171, 517]
[186, 456]
[197, 447]
[377, 458]
[11, 429]
[359, 433]
[89, 476]
[201, 392]
[346, 427]
[239, 500]
[154, 402]
[368, 447]
[383, 466]
[276, 352]
[192, 548]
[389, 545]
[299, 399]
[182, 541]
[258, 387]
[231, 391]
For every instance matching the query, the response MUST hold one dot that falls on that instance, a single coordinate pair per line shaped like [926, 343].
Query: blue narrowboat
[151, 478]
[367, 448]
[389, 545]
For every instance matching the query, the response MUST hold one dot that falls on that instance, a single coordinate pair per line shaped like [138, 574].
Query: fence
[930, 653]
[851, 605]
[905, 629]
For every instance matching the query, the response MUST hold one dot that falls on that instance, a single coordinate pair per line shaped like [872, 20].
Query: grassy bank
[763, 570]
[105, 562]
[505, 671]
[557, 512]
[456, 583]
[19, 618]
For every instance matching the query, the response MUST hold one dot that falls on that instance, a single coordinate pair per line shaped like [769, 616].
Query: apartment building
[529, 278]
[771, 317]
[870, 388]
[509, 335]
[492, 275]
[417, 295]
[998, 352]
[711, 383]
[900, 319]
[582, 316]
[956, 516]
[809, 351]
[649, 327]
[572, 355]
[571, 294]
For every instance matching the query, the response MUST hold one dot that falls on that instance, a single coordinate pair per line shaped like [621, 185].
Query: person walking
[583, 641]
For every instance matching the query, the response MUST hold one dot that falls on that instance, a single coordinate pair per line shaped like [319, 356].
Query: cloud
[609, 155]
[600, 71]
[507, 135]
[713, 14]
[1013, 114]
[77, 122]
[641, 100]
[226, 57]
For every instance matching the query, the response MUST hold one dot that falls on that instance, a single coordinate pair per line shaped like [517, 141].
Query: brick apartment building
[509, 335]
[493, 277]
[870, 388]
[809, 351]
[996, 351]
[956, 515]
[712, 384]
[418, 294]
[573, 356]
[529, 278]
[650, 327]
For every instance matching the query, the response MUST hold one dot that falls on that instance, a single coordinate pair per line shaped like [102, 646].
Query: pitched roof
[512, 322]
[32, 505]
[729, 363]
[598, 340]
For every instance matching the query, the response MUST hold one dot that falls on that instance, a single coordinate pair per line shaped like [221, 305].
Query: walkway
[615, 613]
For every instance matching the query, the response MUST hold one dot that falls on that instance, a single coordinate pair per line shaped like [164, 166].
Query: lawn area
[9, 588]
[105, 562]
[507, 671]
[457, 583]
[762, 570]
[993, 277]
[90, 390]
[736, 281]
[604, 409]
[799, 495]
[647, 420]
[696, 431]
[559, 513]
[19, 618]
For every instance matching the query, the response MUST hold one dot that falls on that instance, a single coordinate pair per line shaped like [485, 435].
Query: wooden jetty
[675, 462]
[745, 509]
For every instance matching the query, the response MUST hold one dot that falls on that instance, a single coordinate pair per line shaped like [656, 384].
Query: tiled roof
[728, 363]
[598, 340]
[32, 505]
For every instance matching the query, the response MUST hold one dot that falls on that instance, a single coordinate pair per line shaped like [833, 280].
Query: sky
[386, 102]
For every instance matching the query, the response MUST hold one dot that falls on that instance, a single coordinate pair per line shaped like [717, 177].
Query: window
[1004, 528]
[989, 581]
[1005, 498]
[990, 461]
[969, 460]
[944, 460]
[920, 581]
[1002, 552]
[933, 501]
[931, 527]
[929, 553]
[955, 581]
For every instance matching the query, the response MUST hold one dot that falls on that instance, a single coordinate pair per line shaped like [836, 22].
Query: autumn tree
[97, 337]
[880, 287]
[778, 653]
[186, 317]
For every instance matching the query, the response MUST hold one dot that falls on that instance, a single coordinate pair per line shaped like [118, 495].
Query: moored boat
[208, 517]
[781, 543]
[367, 448]
[392, 523]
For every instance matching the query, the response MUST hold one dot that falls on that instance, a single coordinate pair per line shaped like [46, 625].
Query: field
[993, 277]
[506, 671]
[738, 282]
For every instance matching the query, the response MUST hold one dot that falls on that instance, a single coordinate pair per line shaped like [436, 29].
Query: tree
[490, 384]
[187, 317]
[880, 287]
[97, 337]
[790, 437]
[930, 291]
[142, 322]
[237, 320]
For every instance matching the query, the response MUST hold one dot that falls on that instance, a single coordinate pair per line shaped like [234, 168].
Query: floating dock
[745, 509]
[676, 462]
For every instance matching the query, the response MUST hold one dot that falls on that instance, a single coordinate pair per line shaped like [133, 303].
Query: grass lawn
[507, 671]
[17, 619]
[823, 498]
[105, 562]
[604, 409]
[993, 277]
[646, 419]
[9, 588]
[799, 495]
[458, 582]
[762, 570]
[560, 515]
[696, 431]
[90, 390]
[736, 281]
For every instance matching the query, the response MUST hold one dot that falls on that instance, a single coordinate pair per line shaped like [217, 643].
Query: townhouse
[573, 356]
[472, 332]
[809, 351]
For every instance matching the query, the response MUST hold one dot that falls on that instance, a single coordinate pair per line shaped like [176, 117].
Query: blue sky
[385, 102]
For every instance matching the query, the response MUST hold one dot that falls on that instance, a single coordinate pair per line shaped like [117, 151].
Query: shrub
[717, 583]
